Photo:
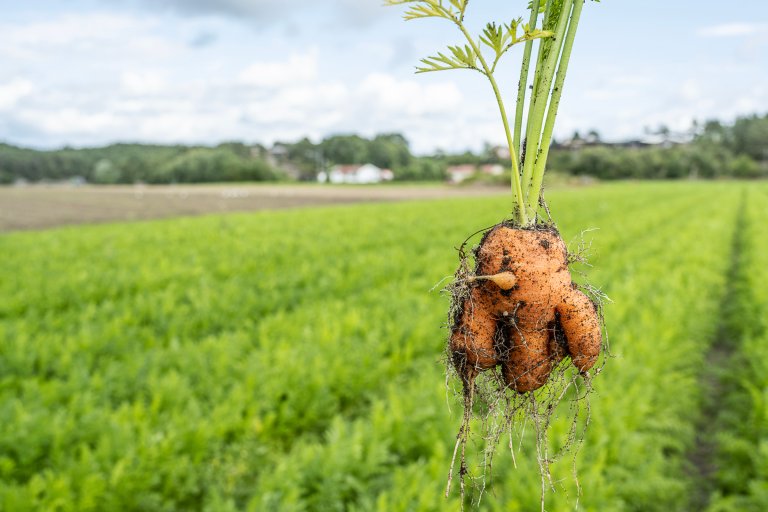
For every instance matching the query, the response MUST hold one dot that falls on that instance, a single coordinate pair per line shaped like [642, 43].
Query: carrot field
[292, 360]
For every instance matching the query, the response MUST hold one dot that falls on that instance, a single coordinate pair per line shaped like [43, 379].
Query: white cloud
[299, 68]
[379, 102]
[618, 86]
[13, 91]
[360, 13]
[407, 97]
[346, 13]
[691, 90]
[74, 29]
[68, 121]
[99, 37]
[140, 83]
[303, 106]
[89, 78]
[267, 101]
[733, 30]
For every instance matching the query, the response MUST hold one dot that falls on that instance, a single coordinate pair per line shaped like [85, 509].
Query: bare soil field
[44, 206]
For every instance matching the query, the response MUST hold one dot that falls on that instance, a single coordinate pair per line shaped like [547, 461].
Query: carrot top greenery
[516, 315]
[529, 144]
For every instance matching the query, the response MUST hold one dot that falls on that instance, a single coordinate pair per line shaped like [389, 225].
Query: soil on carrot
[523, 337]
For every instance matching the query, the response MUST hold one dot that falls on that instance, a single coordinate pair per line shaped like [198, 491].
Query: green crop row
[742, 476]
[660, 325]
[409, 448]
[291, 360]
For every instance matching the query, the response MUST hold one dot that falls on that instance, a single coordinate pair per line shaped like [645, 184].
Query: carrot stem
[522, 85]
[517, 188]
[529, 145]
[535, 97]
[534, 192]
[539, 105]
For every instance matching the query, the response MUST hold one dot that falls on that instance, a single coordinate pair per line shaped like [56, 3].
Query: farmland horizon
[647, 134]
[709, 150]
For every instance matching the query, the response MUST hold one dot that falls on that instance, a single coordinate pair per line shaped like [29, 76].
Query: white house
[458, 173]
[367, 173]
[492, 169]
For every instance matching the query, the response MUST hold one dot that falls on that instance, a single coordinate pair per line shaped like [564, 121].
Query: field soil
[44, 206]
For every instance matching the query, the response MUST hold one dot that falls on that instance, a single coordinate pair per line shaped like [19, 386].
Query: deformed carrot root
[521, 311]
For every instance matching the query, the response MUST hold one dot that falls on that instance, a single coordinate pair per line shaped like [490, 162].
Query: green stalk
[540, 94]
[528, 155]
[534, 191]
[544, 43]
[522, 215]
[523, 83]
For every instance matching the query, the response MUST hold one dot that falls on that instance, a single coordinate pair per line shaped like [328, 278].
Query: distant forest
[711, 150]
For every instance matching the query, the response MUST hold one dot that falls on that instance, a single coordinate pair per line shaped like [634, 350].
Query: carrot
[518, 313]
[516, 327]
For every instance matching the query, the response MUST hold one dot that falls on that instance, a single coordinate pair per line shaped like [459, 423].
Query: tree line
[135, 163]
[715, 150]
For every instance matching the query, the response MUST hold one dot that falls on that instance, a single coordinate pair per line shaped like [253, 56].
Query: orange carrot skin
[581, 325]
[515, 328]
[472, 340]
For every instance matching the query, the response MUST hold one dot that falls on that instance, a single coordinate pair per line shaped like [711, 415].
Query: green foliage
[31, 165]
[6, 177]
[552, 10]
[285, 361]
[212, 165]
[500, 38]
[717, 151]
[345, 149]
[461, 57]
[742, 476]
[422, 169]
[744, 167]
[104, 172]
[132, 163]
[702, 158]
[432, 9]
[303, 155]
[229, 161]
[388, 151]
[750, 137]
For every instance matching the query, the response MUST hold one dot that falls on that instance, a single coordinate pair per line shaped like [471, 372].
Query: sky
[92, 72]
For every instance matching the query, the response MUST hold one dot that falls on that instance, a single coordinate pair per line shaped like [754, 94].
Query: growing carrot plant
[528, 144]
[516, 314]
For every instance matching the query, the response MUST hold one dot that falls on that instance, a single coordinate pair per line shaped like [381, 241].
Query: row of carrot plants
[399, 453]
[290, 360]
[742, 442]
